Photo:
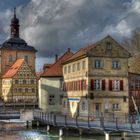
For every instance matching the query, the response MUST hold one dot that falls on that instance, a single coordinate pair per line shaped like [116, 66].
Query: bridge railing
[104, 121]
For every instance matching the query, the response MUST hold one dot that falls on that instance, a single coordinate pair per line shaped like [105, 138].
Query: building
[50, 85]
[19, 84]
[134, 83]
[11, 52]
[96, 80]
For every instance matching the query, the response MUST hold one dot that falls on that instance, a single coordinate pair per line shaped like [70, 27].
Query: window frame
[97, 64]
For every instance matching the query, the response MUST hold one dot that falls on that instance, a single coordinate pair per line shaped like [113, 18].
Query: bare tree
[132, 43]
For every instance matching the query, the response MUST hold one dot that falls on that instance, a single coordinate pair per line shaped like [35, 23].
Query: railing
[104, 122]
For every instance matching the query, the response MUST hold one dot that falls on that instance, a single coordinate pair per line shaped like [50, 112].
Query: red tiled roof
[81, 52]
[13, 69]
[56, 68]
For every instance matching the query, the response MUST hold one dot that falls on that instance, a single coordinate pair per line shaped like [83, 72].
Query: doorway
[97, 109]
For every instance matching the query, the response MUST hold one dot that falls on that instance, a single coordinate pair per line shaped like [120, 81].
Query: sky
[52, 26]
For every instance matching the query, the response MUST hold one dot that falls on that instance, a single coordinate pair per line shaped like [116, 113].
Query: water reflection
[43, 135]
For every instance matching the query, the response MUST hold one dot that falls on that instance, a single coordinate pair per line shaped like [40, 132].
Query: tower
[16, 48]
[14, 26]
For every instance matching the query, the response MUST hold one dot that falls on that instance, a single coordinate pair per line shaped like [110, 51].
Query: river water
[41, 134]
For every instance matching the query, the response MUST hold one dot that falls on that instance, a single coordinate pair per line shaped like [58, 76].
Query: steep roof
[83, 52]
[56, 68]
[13, 69]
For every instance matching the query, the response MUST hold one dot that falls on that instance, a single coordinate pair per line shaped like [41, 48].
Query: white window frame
[115, 106]
[115, 64]
[116, 85]
[98, 64]
[97, 84]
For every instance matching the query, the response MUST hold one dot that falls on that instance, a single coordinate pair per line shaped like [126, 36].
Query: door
[97, 109]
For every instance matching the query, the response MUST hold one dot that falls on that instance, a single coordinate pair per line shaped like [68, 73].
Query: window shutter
[110, 85]
[121, 85]
[85, 84]
[79, 85]
[103, 84]
[66, 87]
[69, 86]
[91, 84]
[74, 85]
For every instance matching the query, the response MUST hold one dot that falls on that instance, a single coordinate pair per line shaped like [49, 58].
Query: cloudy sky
[52, 26]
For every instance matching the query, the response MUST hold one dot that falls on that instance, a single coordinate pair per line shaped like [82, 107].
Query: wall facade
[97, 81]
[50, 94]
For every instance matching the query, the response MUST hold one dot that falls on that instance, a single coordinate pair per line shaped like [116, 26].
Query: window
[24, 81]
[73, 68]
[19, 90]
[33, 90]
[97, 84]
[106, 107]
[115, 106]
[83, 106]
[83, 65]
[16, 81]
[116, 85]
[32, 81]
[69, 69]
[26, 90]
[124, 99]
[26, 58]
[51, 100]
[10, 58]
[98, 64]
[65, 70]
[15, 90]
[108, 46]
[78, 66]
[115, 64]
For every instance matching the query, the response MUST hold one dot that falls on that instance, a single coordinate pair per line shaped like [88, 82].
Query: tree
[132, 43]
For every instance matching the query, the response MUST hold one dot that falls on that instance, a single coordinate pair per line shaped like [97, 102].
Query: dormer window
[108, 46]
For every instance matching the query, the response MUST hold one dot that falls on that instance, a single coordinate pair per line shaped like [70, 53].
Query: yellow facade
[22, 87]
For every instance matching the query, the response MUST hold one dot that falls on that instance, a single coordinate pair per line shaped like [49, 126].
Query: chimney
[69, 50]
[56, 57]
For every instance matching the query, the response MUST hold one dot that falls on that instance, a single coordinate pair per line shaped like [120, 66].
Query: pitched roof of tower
[56, 68]
[13, 69]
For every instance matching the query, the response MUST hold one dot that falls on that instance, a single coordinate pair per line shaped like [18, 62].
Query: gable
[25, 71]
[108, 47]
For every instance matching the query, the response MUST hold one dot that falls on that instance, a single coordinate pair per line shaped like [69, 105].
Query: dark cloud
[54, 25]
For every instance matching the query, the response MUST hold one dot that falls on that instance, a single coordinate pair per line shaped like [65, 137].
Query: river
[41, 134]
